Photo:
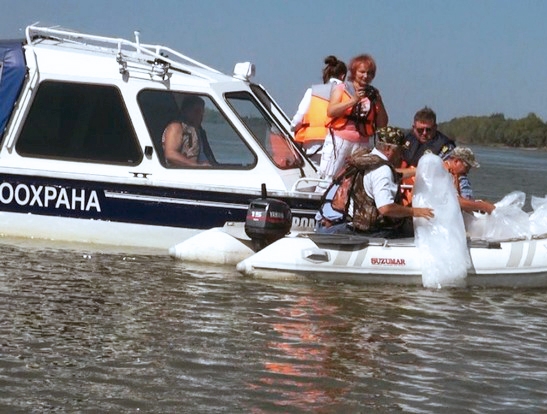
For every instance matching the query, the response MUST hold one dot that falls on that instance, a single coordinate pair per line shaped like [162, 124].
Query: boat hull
[82, 144]
[122, 214]
[520, 263]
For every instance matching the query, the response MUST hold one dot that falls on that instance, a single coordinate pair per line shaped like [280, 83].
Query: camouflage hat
[390, 135]
[466, 155]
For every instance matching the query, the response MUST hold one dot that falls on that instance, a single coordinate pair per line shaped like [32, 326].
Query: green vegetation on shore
[528, 132]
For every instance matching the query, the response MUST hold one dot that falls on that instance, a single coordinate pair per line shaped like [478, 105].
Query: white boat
[441, 253]
[509, 263]
[81, 159]
[514, 262]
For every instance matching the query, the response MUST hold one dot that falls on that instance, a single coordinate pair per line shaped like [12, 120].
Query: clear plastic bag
[538, 219]
[441, 241]
[507, 221]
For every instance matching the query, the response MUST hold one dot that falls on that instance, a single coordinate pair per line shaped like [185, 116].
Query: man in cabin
[366, 195]
[185, 142]
[458, 163]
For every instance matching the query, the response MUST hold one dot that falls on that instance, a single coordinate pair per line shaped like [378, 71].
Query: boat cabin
[82, 127]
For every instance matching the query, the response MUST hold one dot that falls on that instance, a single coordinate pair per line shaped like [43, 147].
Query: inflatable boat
[513, 252]
[510, 263]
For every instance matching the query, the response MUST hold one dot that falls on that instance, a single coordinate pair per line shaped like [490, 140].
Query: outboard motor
[267, 220]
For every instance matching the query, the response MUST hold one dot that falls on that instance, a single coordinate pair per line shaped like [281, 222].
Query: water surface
[91, 330]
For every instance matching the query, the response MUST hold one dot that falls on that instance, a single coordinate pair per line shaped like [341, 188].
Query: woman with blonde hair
[356, 110]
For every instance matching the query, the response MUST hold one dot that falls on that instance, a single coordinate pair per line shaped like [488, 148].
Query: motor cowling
[267, 220]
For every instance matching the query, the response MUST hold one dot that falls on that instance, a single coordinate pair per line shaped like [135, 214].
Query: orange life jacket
[410, 181]
[340, 122]
[313, 123]
[407, 186]
[282, 154]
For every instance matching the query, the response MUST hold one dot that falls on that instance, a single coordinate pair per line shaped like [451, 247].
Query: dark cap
[390, 135]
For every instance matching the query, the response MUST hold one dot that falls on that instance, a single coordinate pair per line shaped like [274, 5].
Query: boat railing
[158, 53]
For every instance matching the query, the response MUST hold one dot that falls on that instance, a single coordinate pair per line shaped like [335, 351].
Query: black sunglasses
[421, 130]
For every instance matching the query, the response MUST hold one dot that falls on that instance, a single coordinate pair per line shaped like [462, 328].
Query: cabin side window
[189, 131]
[82, 122]
[276, 143]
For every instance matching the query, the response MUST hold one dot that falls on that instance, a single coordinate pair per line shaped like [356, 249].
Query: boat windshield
[274, 140]
[266, 99]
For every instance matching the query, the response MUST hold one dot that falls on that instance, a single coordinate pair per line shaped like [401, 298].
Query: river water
[87, 330]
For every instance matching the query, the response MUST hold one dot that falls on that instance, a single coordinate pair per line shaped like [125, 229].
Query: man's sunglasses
[422, 130]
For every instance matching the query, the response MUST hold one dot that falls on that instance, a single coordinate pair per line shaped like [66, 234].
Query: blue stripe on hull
[159, 206]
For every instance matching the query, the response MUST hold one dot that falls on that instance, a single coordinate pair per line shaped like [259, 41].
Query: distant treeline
[528, 132]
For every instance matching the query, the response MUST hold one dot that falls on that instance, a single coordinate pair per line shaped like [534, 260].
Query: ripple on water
[108, 332]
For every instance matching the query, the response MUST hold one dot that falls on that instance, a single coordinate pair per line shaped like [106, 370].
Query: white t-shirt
[380, 183]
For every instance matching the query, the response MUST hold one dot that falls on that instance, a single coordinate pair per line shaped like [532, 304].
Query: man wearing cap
[371, 183]
[458, 163]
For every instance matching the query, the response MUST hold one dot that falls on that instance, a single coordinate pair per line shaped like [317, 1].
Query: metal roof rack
[162, 57]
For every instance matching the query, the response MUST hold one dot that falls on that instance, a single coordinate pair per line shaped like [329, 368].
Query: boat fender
[213, 246]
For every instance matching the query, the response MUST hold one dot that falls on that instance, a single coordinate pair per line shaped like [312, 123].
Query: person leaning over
[356, 110]
[458, 163]
[309, 121]
[369, 188]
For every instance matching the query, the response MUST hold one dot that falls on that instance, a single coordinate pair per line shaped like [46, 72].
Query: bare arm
[337, 108]
[398, 211]
[172, 146]
[475, 205]
[407, 171]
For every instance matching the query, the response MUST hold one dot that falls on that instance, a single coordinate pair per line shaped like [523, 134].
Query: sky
[459, 57]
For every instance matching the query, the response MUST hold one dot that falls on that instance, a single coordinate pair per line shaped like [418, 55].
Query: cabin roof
[157, 60]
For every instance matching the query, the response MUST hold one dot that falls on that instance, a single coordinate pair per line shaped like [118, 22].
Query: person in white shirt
[368, 196]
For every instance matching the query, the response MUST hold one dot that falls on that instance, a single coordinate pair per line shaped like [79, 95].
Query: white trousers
[333, 163]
